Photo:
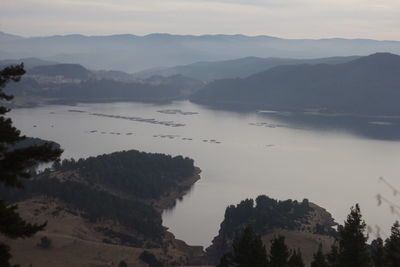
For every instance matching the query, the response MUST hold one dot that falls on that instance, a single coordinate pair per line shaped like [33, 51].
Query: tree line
[141, 176]
[95, 205]
[350, 249]
[263, 215]
[145, 175]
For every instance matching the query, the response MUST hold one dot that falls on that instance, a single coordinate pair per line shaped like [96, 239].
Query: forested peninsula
[110, 200]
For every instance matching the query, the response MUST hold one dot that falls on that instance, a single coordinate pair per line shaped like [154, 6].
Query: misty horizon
[194, 35]
[290, 19]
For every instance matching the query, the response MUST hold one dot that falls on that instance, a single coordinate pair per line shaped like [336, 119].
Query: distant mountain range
[131, 53]
[9, 37]
[367, 85]
[242, 67]
[28, 62]
[70, 71]
[69, 83]
[206, 71]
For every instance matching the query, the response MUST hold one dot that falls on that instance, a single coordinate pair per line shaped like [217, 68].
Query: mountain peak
[9, 37]
[383, 55]
[381, 58]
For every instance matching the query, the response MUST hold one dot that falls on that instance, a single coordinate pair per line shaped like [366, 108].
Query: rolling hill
[69, 83]
[103, 210]
[368, 86]
[242, 67]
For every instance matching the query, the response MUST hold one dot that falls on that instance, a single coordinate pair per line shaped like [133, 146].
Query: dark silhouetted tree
[296, 260]
[226, 260]
[150, 259]
[353, 251]
[333, 256]
[249, 250]
[319, 259]
[279, 252]
[16, 164]
[122, 264]
[392, 247]
[378, 253]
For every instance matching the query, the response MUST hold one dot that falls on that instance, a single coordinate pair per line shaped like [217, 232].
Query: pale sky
[374, 19]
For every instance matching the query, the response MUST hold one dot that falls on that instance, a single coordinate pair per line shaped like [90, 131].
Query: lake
[242, 155]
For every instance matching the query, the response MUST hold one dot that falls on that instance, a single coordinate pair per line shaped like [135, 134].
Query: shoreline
[169, 199]
[36, 101]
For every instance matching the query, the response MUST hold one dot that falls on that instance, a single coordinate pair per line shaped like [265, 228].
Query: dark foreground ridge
[112, 199]
[304, 224]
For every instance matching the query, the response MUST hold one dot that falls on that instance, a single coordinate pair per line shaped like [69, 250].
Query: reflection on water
[187, 192]
[375, 127]
[328, 160]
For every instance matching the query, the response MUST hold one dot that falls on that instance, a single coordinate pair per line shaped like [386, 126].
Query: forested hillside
[116, 187]
[209, 71]
[268, 217]
[368, 86]
[66, 83]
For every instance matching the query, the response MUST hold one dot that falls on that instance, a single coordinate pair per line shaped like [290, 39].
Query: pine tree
[249, 250]
[296, 260]
[378, 253]
[225, 261]
[392, 247]
[353, 250]
[15, 165]
[333, 257]
[279, 252]
[319, 258]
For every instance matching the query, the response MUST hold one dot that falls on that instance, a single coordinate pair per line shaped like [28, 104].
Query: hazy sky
[377, 19]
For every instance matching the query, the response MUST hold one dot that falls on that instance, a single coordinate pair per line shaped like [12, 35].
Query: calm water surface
[241, 156]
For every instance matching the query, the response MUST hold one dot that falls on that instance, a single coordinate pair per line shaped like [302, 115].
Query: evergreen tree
[225, 261]
[353, 250]
[249, 250]
[5, 256]
[378, 253]
[319, 258]
[333, 257]
[279, 252]
[14, 165]
[150, 259]
[392, 247]
[296, 260]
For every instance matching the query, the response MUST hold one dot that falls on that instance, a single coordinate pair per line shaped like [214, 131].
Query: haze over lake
[241, 155]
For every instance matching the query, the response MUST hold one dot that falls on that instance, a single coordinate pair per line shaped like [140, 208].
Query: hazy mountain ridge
[28, 62]
[72, 83]
[241, 68]
[69, 71]
[368, 85]
[5, 37]
[131, 53]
